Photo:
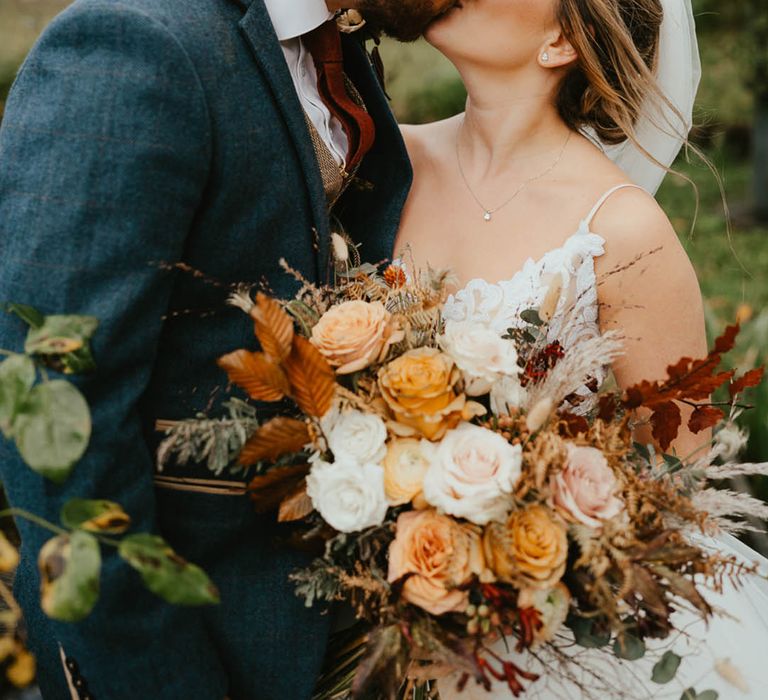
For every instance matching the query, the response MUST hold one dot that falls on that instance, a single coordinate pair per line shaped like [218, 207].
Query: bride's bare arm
[648, 290]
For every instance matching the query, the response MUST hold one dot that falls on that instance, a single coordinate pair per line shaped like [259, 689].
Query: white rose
[472, 473]
[478, 301]
[358, 437]
[730, 441]
[349, 496]
[480, 353]
[507, 394]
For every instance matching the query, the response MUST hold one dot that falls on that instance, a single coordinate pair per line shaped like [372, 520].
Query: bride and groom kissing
[228, 134]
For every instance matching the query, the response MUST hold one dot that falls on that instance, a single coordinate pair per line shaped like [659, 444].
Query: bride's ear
[557, 52]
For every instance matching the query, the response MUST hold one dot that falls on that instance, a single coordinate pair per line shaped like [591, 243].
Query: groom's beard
[405, 20]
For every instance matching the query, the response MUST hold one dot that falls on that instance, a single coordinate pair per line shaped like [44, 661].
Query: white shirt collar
[292, 18]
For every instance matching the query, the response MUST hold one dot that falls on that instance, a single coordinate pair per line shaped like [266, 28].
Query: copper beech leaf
[666, 421]
[313, 381]
[705, 417]
[747, 381]
[296, 505]
[273, 326]
[268, 490]
[256, 374]
[274, 439]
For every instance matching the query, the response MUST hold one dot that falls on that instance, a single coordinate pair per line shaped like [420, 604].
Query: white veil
[659, 129]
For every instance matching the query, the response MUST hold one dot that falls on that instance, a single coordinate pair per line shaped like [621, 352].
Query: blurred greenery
[732, 268]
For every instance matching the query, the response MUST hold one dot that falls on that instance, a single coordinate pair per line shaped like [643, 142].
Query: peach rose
[528, 550]
[585, 491]
[354, 335]
[405, 465]
[440, 554]
[420, 389]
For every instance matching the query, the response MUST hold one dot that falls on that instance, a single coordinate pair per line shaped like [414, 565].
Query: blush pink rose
[585, 491]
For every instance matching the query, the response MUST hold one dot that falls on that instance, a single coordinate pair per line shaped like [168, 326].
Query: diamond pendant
[487, 216]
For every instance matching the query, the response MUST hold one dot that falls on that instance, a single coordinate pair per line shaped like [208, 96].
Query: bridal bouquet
[468, 487]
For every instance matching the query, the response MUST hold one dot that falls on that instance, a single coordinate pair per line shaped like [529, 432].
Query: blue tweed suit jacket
[141, 132]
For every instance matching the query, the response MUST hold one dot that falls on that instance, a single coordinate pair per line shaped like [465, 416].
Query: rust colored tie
[324, 43]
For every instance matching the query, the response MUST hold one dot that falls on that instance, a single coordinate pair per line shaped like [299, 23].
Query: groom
[215, 133]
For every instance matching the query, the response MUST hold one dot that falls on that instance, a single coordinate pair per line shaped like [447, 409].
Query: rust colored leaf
[666, 421]
[296, 505]
[312, 379]
[747, 381]
[253, 372]
[607, 407]
[268, 490]
[726, 342]
[274, 327]
[274, 439]
[574, 425]
[705, 417]
[685, 588]
[648, 587]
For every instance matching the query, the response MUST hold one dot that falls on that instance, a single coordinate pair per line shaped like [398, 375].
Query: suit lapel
[257, 29]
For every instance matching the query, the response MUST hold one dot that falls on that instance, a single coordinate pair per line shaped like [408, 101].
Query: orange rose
[529, 549]
[440, 554]
[354, 335]
[405, 465]
[420, 388]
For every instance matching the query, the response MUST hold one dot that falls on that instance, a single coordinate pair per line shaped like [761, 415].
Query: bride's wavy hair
[617, 42]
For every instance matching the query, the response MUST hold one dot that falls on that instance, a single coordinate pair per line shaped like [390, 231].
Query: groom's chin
[405, 20]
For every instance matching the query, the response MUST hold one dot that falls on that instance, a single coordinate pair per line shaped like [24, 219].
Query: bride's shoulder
[428, 143]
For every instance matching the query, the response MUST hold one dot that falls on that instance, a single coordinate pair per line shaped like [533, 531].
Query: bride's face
[497, 34]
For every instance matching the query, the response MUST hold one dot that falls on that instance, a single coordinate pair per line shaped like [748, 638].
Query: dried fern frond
[214, 441]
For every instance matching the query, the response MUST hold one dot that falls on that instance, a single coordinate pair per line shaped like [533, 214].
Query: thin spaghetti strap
[587, 222]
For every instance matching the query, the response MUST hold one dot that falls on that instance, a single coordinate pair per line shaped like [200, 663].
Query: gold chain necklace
[487, 212]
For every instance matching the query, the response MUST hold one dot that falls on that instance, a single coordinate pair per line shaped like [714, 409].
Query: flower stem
[36, 519]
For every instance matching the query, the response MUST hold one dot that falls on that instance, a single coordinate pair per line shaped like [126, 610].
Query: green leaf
[60, 334]
[691, 694]
[665, 668]
[165, 573]
[69, 570]
[29, 314]
[95, 516]
[629, 648]
[63, 342]
[53, 428]
[584, 634]
[17, 376]
[532, 317]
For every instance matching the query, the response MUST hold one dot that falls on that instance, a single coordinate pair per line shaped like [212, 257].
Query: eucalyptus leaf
[532, 316]
[29, 314]
[691, 694]
[95, 516]
[17, 376]
[665, 668]
[165, 573]
[60, 334]
[629, 648]
[69, 571]
[53, 428]
[584, 634]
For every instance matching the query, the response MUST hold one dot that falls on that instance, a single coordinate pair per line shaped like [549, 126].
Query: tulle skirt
[729, 654]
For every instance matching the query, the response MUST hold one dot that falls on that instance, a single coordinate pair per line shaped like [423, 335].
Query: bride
[519, 187]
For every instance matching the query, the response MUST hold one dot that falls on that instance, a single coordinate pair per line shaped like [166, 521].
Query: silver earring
[545, 57]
